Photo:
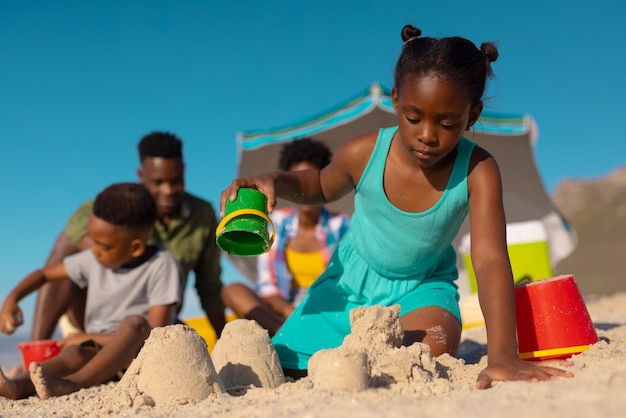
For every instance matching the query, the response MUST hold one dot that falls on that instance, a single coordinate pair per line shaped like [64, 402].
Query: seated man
[131, 287]
[185, 227]
[306, 237]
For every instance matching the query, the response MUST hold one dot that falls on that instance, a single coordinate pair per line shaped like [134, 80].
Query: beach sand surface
[368, 376]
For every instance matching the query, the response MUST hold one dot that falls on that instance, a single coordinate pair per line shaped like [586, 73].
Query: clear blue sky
[82, 81]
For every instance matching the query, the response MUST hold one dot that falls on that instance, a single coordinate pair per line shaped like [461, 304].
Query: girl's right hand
[266, 184]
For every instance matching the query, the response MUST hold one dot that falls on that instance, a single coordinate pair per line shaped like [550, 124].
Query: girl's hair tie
[409, 40]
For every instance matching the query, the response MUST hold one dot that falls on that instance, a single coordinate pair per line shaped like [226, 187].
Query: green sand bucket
[243, 230]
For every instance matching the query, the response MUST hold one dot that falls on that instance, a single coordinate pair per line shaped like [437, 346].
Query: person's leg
[246, 304]
[71, 359]
[68, 361]
[55, 298]
[434, 326]
[17, 388]
[117, 354]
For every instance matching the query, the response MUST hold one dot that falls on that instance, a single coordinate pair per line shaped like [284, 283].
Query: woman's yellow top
[304, 267]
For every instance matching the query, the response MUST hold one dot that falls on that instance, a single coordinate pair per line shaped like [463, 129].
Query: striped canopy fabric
[509, 138]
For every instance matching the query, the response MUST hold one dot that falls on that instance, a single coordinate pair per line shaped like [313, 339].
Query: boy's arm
[79, 338]
[159, 315]
[164, 285]
[53, 299]
[11, 314]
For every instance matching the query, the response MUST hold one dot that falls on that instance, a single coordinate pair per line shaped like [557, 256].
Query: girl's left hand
[508, 369]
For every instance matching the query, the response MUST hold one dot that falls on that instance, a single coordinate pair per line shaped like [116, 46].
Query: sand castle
[244, 356]
[173, 366]
[372, 355]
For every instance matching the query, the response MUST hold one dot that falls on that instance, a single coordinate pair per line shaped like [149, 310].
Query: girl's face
[112, 246]
[432, 116]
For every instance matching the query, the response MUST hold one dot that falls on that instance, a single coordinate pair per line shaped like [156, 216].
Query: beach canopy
[530, 213]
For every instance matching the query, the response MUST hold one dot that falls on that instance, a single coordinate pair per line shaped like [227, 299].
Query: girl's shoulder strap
[377, 159]
[465, 148]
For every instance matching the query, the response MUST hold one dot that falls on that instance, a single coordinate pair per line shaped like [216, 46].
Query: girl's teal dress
[388, 257]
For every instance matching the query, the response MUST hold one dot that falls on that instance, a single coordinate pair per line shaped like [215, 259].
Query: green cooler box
[528, 251]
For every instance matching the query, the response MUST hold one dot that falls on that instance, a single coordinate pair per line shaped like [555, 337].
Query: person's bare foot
[15, 388]
[18, 372]
[49, 385]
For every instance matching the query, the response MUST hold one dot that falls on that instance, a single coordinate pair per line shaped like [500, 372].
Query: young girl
[414, 185]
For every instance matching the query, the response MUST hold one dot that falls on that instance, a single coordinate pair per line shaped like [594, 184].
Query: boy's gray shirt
[114, 294]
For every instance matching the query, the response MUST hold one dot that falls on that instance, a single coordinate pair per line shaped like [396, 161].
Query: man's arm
[55, 298]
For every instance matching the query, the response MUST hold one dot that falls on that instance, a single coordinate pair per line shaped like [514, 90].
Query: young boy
[185, 227]
[131, 288]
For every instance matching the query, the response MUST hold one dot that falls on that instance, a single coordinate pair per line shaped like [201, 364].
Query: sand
[370, 375]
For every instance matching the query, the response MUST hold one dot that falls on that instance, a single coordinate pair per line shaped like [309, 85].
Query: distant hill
[597, 211]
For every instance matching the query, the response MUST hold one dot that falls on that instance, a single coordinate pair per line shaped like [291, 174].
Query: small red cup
[552, 319]
[38, 351]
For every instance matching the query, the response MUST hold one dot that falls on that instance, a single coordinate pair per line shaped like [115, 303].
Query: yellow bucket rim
[553, 352]
[242, 212]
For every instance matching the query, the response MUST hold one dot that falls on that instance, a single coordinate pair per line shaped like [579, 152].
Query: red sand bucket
[38, 351]
[552, 319]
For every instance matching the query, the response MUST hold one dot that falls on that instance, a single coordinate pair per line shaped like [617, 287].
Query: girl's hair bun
[409, 32]
[490, 51]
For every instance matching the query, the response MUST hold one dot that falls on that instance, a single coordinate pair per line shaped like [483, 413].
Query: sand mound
[173, 366]
[244, 356]
[372, 356]
[339, 369]
[597, 388]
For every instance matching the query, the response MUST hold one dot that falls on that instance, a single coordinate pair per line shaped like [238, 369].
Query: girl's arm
[489, 254]
[311, 187]
[11, 315]
[494, 277]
